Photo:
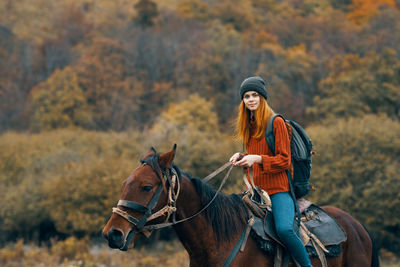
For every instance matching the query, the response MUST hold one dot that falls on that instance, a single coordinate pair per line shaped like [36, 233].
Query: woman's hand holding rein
[239, 159]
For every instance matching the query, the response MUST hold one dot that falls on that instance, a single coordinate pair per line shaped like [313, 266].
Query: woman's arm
[270, 164]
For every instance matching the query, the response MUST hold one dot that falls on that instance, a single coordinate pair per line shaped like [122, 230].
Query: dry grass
[73, 252]
[388, 259]
[78, 253]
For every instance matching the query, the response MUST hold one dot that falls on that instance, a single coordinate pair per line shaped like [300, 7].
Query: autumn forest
[87, 86]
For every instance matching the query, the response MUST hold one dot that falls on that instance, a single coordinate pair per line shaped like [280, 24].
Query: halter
[171, 176]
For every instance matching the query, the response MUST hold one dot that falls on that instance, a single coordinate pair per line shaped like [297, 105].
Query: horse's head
[143, 192]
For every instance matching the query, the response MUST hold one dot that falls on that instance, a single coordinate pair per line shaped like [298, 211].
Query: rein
[162, 225]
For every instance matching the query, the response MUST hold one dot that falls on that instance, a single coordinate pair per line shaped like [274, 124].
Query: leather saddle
[316, 220]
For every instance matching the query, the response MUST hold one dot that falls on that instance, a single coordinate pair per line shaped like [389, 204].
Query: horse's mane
[227, 214]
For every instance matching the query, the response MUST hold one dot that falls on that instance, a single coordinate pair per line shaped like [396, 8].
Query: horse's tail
[375, 256]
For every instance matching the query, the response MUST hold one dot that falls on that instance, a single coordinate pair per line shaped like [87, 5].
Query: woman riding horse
[208, 235]
[269, 171]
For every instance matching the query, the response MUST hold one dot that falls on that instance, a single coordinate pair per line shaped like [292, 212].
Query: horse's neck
[199, 240]
[196, 235]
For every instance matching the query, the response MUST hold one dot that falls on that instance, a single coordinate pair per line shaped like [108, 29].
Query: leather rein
[172, 176]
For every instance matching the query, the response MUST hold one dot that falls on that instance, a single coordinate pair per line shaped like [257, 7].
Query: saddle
[319, 232]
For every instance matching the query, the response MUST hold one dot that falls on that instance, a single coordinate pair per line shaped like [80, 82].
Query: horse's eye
[146, 188]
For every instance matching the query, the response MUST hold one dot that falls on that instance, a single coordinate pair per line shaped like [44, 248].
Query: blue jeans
[284, 210]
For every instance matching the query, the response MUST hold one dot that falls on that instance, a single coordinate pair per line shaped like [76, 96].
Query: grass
[80, 253]
[73, 252]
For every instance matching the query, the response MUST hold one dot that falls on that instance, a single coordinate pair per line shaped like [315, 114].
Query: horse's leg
[357, 250]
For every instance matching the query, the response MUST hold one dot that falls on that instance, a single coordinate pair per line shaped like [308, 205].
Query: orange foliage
[363, 10]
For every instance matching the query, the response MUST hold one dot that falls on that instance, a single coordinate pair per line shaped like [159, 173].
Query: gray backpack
[301, 150]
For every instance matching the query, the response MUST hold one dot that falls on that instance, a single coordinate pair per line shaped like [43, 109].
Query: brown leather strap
[162, 225]
[249, 225]
[278, 257]
[217, 171]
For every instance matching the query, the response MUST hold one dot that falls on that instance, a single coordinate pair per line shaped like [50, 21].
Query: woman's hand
[248, 161]
[237, 156]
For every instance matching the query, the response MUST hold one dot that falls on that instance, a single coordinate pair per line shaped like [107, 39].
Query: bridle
[172, 177]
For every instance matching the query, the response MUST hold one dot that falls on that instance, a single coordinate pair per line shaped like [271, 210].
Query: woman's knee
[285, 232]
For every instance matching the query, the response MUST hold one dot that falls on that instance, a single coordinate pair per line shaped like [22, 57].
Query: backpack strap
[270, 138]
[269, 132]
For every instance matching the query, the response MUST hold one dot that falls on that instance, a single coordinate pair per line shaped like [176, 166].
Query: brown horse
[211, 235]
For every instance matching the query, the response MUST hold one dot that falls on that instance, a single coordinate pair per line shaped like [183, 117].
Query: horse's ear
[167, 158]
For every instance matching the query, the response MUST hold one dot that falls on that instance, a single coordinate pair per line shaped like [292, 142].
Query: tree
[341, 4]
[363, 10]
[193, 126]
[103, 76]
[381, 32]
[15, 80]
[357, 169]
[194, 9]
[217, 67]
[359, 85]
[62, 182]
[59, 102]
[233, 14]
[291, 74]
[146, 13]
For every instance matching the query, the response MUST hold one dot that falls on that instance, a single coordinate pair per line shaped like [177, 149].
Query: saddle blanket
[317, 221]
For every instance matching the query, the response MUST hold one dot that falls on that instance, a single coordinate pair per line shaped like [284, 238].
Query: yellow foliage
[59, 102]
[264, 37]
[193, 126]
[234, 13]
[69, 177]
[71, 248]
[357, 168]
[73, 178]
[13, 253]
[33, 19]
[29, 19]
[362, 10]
[194, 9]
[193, 113]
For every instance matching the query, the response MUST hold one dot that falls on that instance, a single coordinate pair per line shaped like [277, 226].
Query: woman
[269, 171]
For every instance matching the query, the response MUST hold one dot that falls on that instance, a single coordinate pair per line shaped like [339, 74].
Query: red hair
[261, 116]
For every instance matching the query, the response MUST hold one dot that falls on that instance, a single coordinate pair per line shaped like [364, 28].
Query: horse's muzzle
[116, 239]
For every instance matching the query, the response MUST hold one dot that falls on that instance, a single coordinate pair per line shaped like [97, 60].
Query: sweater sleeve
[281, 161]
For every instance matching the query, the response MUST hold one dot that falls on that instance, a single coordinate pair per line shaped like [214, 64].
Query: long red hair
[261, 116]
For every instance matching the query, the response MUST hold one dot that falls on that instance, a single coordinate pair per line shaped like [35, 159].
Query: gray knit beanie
[255, 83]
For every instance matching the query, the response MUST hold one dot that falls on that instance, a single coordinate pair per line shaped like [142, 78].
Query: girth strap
[240, 244]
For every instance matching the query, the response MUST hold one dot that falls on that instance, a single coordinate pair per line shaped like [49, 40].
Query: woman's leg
[284, 211]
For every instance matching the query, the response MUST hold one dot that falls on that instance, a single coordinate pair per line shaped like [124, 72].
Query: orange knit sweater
[271, 174]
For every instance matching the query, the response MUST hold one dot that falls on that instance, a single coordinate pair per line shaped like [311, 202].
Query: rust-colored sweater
[271, 174]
